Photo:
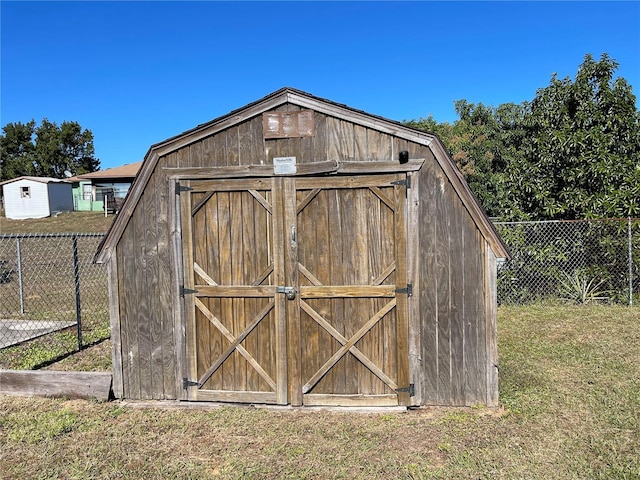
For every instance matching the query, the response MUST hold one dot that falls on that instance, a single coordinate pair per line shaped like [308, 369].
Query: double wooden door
[295, 290]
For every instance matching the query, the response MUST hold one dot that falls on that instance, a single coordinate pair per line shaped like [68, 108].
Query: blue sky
[136, 73]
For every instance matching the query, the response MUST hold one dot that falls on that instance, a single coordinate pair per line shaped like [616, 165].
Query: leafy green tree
[482, 143]
[17, 150]
[46, 150]
[486, 140]
[583, 146]
[572, 152]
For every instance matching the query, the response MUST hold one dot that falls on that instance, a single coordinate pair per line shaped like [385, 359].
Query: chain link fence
[53, 299]
[583, 261]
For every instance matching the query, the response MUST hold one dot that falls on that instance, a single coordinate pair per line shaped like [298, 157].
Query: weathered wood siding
[334, 139]
[50, 383]
[453, 298]
[151, 356]
[452, 320]
[146, 289]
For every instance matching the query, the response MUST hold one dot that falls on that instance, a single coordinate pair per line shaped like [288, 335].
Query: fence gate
[295, 290]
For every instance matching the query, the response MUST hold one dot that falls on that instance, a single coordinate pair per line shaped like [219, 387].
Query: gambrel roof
[304, 100]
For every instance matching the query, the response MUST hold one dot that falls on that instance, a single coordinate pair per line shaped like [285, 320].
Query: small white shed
[36, 197]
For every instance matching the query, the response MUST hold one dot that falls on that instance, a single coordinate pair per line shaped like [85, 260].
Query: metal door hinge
[411, 390]
[186, 291]
[408, 289]
[182, 188]
[406, 182]
[186, 383]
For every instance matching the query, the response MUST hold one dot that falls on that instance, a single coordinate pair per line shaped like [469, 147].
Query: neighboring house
[36, 197]
[89, 189]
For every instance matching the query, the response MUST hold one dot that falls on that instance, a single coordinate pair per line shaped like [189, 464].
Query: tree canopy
[571, 152]
[46, 150]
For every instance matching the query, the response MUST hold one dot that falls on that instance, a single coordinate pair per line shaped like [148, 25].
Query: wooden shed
[298, 251]
[36, 197]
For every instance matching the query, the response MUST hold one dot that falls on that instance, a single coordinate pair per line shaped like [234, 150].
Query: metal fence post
[76, 277]
[20, 284]
[630, 262]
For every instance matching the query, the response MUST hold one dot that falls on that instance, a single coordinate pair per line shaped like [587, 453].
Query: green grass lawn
[570, 409]
[70, 222]
[48, 291]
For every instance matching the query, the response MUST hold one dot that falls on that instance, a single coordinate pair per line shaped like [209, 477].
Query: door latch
[290, 292]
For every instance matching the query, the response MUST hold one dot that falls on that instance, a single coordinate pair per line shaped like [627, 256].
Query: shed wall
[449, 263]
[145, 290]
[453, 298]
[334, 139]
[60, 197]
[146, 286]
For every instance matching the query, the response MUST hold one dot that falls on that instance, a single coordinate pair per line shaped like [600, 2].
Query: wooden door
[235, 321]
[350, 237]
[339, 244]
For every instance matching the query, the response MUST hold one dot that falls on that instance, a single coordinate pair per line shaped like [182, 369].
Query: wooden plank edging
[51, 383]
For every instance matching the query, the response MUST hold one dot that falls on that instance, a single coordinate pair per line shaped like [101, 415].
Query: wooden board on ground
[56, 384]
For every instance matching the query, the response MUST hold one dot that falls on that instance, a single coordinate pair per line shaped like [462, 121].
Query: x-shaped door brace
[348, 345]
[235, 343]
[261, 200]
[377, 191]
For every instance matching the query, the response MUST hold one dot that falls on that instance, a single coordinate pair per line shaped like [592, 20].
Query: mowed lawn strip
[570, 394]
[70, 222]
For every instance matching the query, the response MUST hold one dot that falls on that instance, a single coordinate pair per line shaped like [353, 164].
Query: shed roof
[36, 179]
[130, 170]
[305, 100]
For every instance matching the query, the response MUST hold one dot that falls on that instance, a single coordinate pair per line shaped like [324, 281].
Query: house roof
[130, 170]
[36, 179]
[304, 100]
